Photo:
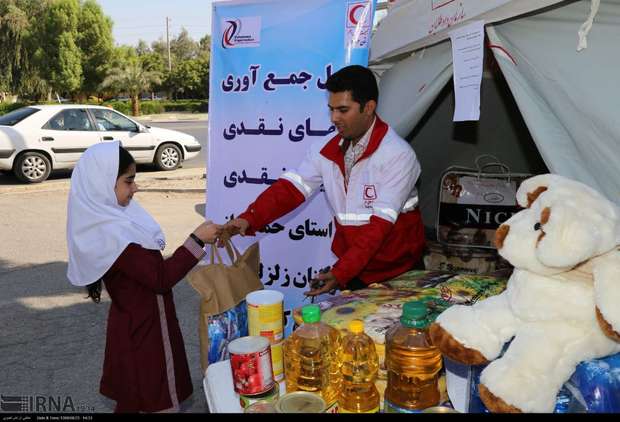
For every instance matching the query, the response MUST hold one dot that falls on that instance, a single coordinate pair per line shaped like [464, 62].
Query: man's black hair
[359, 80]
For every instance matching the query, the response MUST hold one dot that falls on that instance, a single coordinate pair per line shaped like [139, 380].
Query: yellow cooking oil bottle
[360, 365]
[312, 358]
[412, 362]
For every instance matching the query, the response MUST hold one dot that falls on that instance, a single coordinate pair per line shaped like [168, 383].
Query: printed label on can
[266, 321]
[277, 362]
[252, 372]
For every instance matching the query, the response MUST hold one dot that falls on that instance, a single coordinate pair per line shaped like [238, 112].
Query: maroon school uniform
[145, 367]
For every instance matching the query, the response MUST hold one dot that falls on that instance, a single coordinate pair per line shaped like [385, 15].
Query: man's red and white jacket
[379, 231]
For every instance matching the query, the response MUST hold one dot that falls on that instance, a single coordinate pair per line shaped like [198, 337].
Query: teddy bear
[560, 306]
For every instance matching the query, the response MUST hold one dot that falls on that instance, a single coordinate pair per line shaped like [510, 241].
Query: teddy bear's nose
[500, 235]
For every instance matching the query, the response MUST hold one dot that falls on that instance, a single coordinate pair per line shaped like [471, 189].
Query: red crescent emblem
[353, 12]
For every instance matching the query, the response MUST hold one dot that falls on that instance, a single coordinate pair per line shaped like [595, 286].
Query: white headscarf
[98, 228]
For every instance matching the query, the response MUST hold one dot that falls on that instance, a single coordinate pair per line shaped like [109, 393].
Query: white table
[222, 398]
[219, 389]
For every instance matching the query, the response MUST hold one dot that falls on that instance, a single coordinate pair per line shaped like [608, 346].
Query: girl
[113, 239]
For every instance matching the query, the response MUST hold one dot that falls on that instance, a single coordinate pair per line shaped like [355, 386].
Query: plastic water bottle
[312, 358]
[412, 362]
[360, 365]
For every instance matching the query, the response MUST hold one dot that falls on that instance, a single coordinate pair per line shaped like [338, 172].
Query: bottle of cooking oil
[412, 362]
[312, 358]
[360, 365]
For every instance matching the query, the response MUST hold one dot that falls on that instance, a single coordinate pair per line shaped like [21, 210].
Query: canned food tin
[265, 318]
[269, 396]
[261, 407]
[300, 402]
[439, 409]
[250, 362]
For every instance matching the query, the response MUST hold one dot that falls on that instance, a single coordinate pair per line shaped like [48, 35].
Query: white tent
[569, 100]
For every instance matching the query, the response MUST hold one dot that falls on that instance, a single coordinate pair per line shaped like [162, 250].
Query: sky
[146, 19]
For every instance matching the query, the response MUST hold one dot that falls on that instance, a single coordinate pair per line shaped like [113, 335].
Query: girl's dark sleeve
[150, 269]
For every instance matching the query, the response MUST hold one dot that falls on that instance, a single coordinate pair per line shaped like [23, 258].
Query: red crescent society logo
[354, 14]
[370, 193]
[228, 37]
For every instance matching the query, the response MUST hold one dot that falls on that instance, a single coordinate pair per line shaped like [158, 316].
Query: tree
[95, 41]
[204, 46]
[13, 27]
[183, 47]
[142, 48]
[19, 73]
[160, 47]
[58, 54]
[133, 79]
[189, 79]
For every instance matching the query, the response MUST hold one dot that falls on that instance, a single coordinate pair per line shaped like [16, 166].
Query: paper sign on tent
[467, 55]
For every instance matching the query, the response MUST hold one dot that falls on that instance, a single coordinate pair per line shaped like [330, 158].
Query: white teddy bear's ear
[519, 245]
[532, 188]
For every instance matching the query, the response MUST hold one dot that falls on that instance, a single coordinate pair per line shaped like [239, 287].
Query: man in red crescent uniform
[369, 175]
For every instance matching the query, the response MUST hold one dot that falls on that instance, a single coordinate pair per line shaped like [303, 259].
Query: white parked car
[35, 140]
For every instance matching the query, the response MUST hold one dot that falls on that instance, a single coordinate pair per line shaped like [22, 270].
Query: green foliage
[183, 47]
[95, 41]
[133, 79]
[122, 106]
[59, 55]
[66, 48]
[66, 71]
[158, 107]
[18, 41]
[152, 107]
[8, 107]
[191, 106]
[189, 79]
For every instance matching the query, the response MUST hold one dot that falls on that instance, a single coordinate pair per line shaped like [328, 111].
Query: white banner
[269, 63]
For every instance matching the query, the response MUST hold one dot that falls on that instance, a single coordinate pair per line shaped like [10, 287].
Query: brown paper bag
[222, 287]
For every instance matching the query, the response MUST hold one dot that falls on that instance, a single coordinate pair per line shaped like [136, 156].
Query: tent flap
[568, 99]
[409, 88]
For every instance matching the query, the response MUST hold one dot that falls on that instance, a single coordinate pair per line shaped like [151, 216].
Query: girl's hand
[208, 232]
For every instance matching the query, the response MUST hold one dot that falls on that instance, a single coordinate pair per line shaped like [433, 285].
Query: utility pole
[168, 43]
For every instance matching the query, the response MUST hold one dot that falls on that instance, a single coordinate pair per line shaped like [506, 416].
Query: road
[196, 128]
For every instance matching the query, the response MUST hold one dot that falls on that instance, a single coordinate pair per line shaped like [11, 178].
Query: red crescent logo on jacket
[370, 193]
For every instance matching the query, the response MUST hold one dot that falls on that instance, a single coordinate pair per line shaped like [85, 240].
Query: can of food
[439, 409]
[300, 402]
[261, 407]
[269, 396]
[250, 362]
[265, 318]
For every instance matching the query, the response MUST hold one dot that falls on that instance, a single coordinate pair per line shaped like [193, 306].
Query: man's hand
[323, 283]
[236, 226]
[233, 228]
